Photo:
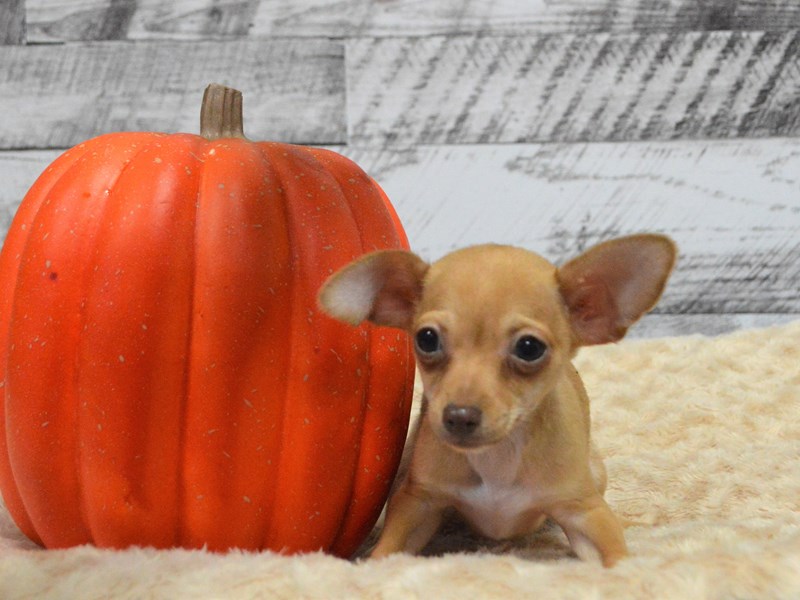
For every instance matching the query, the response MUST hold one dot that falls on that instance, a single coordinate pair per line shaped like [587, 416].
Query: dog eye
[427, 341]
[529, 349]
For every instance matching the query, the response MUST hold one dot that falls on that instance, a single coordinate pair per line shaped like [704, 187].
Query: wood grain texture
[62, 20]
[91, 20]
[57, 96]
[598, 87]
[732, 206]
[82, 20]
[12, 22]
[663, 325]
[455, 17]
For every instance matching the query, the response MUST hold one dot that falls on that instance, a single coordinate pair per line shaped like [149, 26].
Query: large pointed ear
[383, 287]
[610, 286]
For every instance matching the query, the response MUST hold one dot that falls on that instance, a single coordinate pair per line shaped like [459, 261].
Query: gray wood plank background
[551, 124]
[12, 22]
[62, 20]
[475, 89]
[56, 96]
[732, 207]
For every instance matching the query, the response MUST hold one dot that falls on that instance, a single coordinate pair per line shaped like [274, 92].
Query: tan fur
[529, 455]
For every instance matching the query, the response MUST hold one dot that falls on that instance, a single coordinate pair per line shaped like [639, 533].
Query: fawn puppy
[503, 434]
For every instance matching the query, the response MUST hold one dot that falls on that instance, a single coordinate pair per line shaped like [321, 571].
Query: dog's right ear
[610, 286]
[383, 287]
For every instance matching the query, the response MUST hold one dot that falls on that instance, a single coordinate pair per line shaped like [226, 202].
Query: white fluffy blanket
[702, 439]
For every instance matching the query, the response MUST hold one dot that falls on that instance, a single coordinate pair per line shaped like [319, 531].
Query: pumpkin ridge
[181, 525]
[316, 388]
[279, 386]
[81, 495]
[366, 389]
[68, 294]
[242, 309]
[268, 149]
[16, 506]
[204, 145]
[376, 462]
[343, 532]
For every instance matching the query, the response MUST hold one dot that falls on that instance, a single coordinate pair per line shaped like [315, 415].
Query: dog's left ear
[610, 286]
[383, 287]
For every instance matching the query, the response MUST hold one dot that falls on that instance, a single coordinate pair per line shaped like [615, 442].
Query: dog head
[495, 327]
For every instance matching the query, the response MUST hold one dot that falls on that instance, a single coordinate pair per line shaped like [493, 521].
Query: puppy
[503, 434]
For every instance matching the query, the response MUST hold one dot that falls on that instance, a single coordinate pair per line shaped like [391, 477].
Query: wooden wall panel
[57, 96]
[356, 18]
[52, 21]
[474, 89]
[732, 207]
[665, 325]
[12, 22]
[60, 20]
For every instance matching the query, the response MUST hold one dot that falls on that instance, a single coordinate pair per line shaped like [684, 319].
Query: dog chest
[501, 501]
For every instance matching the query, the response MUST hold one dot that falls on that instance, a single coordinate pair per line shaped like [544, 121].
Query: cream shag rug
[702, 444]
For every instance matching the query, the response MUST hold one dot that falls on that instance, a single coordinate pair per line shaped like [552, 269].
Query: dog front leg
[411, 520]
[592, 530]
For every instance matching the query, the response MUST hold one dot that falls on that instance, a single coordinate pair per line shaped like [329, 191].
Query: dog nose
[461, 420]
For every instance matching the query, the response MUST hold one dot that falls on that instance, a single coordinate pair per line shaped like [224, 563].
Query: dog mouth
[464, 444]
[477, 440]
[476, 435]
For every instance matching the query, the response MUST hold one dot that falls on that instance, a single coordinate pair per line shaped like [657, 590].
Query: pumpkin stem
[221, 113]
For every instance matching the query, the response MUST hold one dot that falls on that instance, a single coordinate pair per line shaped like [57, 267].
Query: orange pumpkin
[167, 377]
